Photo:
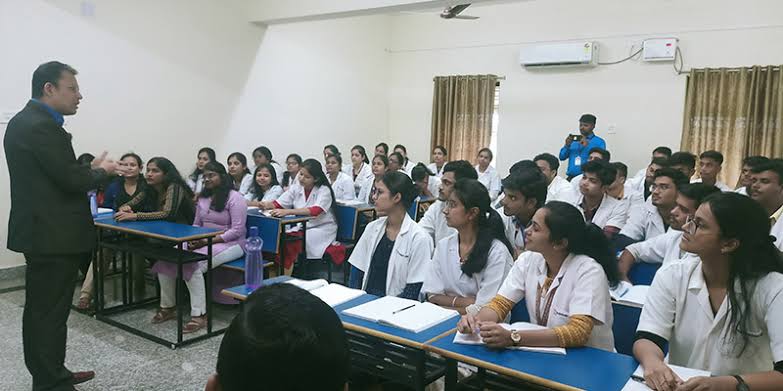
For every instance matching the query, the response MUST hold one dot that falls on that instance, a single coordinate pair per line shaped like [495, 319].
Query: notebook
[104, 210]
[401, 313]
[331, 294]
[349, 202]
[475, 338]
[629, 294]
[683, 372]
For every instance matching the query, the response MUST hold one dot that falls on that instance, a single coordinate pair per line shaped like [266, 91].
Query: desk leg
[209, 285]
[451, 374]
[97, 269]
[421, 368]
[179, 295]
[125, 277]
[306, 264]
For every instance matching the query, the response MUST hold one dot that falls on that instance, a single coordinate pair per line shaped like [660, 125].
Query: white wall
[158, 77]
[312, 84]
[537, 109]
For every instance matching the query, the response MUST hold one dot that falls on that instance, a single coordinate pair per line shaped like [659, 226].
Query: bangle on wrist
[454, 302]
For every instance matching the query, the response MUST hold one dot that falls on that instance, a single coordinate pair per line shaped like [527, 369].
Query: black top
[115, 195]
[379, 266]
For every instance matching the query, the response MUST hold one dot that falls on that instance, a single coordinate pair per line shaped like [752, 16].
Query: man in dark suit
[50, 220]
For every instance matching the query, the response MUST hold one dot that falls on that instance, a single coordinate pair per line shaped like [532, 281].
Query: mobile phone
[575, 137]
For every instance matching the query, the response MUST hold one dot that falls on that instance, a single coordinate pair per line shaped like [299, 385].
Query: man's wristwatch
[741, 385]
[516, 337]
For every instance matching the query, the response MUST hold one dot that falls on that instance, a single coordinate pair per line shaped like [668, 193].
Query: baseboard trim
[12, 273]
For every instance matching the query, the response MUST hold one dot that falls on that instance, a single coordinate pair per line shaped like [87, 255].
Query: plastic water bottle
[254, 261]
[93, 204]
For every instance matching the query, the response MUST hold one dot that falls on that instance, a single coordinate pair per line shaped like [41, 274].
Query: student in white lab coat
[425, 180]
[642, 185]
[291, 175]
[564, 279]
[487, 174]
[595, 154]
[599, 208]
[263, 155]
[666, 248]
[468, 267]
[361, 171]
[439, 160]
[684, 162]
[392, 256]
[652, 218]
[382, 149]
[524, 193]
[397, 163]
[380, 165]
[558, 189]
[342, 184]
[240, 174]
[721, 311]
[746, 179]
[196, 179]
[407, 164]
[619, 190]
[434, 221]
[313, 198]
[710, 165]
[331, 149]
[658, 152]
[767, 190]
[265, 186]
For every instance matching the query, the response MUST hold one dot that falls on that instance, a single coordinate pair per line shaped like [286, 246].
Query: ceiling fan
[453, 12]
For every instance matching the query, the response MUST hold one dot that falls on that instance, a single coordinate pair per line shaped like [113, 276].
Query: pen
[403, 309]
[638, 379]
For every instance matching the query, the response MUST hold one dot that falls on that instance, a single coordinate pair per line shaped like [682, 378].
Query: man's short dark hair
[50, 72]
[677, 177]
[588, 119]
[712, 154]
[682, 158]
[603, 170]
[753, 161]
[621, 168]
[523, 165]
[462, 169]
[284, 338]
[531, 183]
[663, 150]
[605, 155]
[551, 160]
[697, 191]
[661, 161]
[772, 165]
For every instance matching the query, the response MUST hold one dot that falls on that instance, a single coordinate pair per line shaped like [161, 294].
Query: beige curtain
[737, 111]
[462, 109]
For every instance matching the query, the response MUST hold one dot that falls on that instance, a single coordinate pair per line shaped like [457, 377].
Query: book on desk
[626, 293]
[405, 314]
[331, 294]
[636, 383]
[475, 338]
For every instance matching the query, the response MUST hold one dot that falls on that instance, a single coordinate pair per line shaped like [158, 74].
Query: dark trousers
[49, 288]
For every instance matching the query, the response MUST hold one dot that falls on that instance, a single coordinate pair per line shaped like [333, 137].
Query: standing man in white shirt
[767, 190]
[709, 167]
[487, 174]
[558, 189]
[434, 221]
[746, 178]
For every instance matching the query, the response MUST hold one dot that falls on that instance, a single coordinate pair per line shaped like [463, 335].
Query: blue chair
[519, 313]
[642, 273]
[413, 209]
[626, 319]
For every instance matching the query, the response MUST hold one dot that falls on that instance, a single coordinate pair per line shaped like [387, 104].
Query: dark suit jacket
[50, 210]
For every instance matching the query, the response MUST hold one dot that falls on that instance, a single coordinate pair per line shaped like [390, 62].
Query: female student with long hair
[342, 184]
[195, 179]
[721, 311]
[263, 155]
[291, 175]
[314, 197]
[564, 278]
[220, 207]
[468, 267]
[241, 178]
[426, 181]
[487, 174]
[439, 159]
[397, 163]
[264, 187]
[380, 164]
[382, 149]
[392, 255]
[167, 195]
[360, 168]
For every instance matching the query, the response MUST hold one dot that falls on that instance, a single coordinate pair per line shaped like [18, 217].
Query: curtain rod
[734, 69]
[499, 77]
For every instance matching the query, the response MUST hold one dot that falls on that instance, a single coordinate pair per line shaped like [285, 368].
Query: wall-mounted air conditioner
[561, 54]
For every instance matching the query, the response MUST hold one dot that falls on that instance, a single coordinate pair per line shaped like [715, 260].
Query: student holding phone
[578, 146]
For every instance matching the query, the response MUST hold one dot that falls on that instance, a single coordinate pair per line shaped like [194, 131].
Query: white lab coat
[347, 168]
[322, 230]
[366, 191]
[245, 184]
[433, 185]
[660, 249]
[434, 168]
[434, 222]
[644, 223]
[561, 190]
[777, 232]
[677, 308]
[582, 289]
[343, 187]
[272, 194]
[514, 234]
[365, 175]
[409, 259]
[631, 200]
[720, 185]
[741, 190]
[491, 180]
[196, 185]
[278, 171]
[611, 212]
[445, 276]
[409, 167]
[639, 176]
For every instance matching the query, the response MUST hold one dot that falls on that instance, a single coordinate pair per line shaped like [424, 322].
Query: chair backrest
[413, 208]
[642, 273]
[346, 223]
[519, 313]
[626, 319]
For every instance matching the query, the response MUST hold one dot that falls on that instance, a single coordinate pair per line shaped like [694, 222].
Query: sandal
[163, 315]
[196, 323]
[85, 303]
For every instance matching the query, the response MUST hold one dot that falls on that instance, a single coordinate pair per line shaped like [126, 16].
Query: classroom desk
[580, 369]
[168, 232]
[349, 219]
[272, 231]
